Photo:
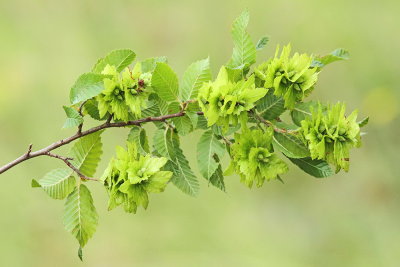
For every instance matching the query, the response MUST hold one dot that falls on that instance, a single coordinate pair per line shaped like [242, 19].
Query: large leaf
[118, 58]
[139, 137]
[80, 215]
[290, 145]
[208, 147]
[165, 82]
[336, 55]
[57, 183]
[73, 117]
[88, 85]
[270, 106]
[244, 51]
[86, 153]
[317, 168]
[193, 78]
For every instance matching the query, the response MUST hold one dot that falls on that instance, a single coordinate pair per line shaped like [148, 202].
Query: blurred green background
[351, 219]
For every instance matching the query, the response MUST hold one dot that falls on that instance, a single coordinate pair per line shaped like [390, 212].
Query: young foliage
[86, 153]
[58, 183]
[209, 151]
[80, 215]
[240, 114]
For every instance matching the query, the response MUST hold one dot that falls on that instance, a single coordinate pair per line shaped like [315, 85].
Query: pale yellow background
[350, 219]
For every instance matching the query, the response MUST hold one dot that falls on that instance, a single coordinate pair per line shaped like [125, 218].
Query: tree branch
[45, 151]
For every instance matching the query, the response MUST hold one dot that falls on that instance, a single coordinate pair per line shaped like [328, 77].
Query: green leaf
[193, 78]
[80, 253]
[74, 118]
[165, 82]
[88, 85]
[150, 64]
[86, 153]
[91, 108]
[163, 143]
[336, 55]
[166, 143]
[138, 136]
[183, 177]
[80, 215]
[262, 43]
[217, 179]
[244, 51]
[270, 106]
[207, 148]
[317, 168]
[290, 145]
[183, 124]
[118, 58]
[363, 122]
[34, 183]
[194, 118]
[58, 183]
[301, 111]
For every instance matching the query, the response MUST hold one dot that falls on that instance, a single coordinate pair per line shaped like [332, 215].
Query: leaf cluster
[239, 114]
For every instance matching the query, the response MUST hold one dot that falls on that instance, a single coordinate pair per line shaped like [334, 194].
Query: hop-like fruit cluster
[292, 78]
[330, 134]
[225, 102]
[253, 158]
[124, 92]
[130, 177]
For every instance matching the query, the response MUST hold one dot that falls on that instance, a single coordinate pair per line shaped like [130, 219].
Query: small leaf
[138, 136]
[58, 183]
[336, 55]
[207, 148]
[217, 179]
[163, 143]
[290, 145]
[74, 118]
[262, 43]
[363, 122]
[88, 85]
[86, 153]
[244, 51]
[118, 58]
[150, 64]
[301, 111]
[183, 124]
[270, 106]
[80, 215]
[165, 82]
[193, 78]
[317, 168]
[91, 108]
[80, 253]
[194, 118]
[34, 183]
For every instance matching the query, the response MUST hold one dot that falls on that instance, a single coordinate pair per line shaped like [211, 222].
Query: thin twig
[107, 124]
[67, 161]
[268, 123]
